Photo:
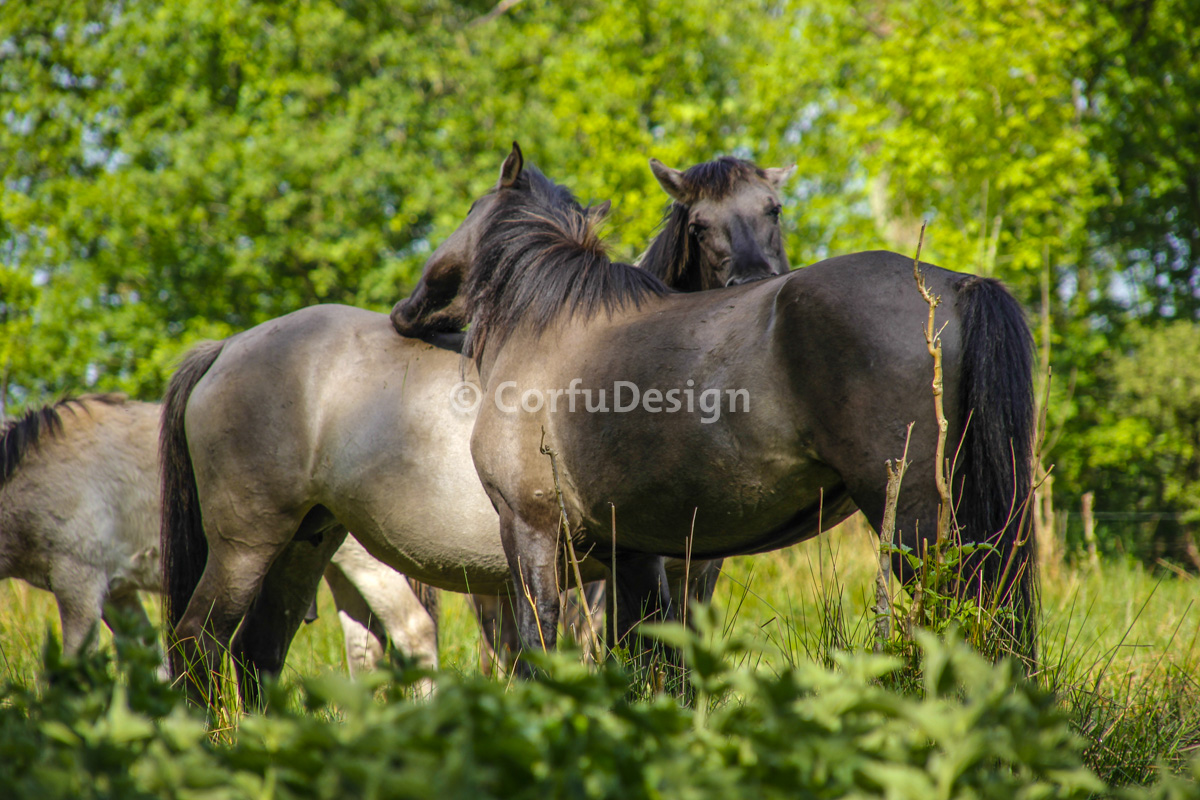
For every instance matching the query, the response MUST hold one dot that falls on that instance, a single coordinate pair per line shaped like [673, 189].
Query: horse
[278, 439]
[79, 508]
[742, 420]
[80, 515]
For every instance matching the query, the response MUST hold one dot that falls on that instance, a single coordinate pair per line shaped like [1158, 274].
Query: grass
[1120, 644]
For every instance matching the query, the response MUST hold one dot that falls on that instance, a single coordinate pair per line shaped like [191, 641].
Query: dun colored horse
[734, 421]
[80, 515]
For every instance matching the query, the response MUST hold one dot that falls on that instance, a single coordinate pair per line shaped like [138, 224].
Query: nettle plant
[108, 727]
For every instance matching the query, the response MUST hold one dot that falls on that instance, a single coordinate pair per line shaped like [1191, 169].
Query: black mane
[21, 435]
[541, 257]
[673, 256]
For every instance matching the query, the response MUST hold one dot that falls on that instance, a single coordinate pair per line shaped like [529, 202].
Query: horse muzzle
[738, 280]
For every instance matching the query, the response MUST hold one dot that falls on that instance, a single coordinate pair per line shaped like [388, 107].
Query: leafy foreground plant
[980, 731]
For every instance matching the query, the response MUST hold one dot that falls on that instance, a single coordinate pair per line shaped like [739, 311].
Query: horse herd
[270, 445]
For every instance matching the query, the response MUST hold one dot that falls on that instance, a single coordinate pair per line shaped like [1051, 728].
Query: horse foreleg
[499, 639]
[79, 592]
[376, 603]
[531, 557]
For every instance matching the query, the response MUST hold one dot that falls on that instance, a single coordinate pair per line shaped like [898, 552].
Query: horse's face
[437, 303]
[736, 232]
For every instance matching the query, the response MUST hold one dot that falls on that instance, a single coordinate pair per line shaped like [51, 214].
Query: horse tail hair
[183, 546]
[994, 466]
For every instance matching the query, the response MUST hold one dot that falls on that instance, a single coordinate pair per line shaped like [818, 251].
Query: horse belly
[402, 481]
[723, 500]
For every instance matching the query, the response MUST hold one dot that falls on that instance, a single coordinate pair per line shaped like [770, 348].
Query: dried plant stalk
[565, 527]
[887, 538]
[933, 342]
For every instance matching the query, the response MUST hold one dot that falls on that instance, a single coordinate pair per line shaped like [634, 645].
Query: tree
[267, 157]
[1140, 79]
[1141, 452]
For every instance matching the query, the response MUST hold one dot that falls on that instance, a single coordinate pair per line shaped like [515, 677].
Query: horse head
[440, 302]
[722, 228]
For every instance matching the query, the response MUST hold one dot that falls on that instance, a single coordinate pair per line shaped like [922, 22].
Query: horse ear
[598, 213]
[672, 181]
[778, 176]
[510, 170]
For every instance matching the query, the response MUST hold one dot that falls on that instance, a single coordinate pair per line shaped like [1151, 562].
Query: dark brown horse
[733, 421]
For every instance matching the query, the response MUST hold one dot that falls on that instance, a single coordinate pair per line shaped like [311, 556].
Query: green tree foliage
[963, 114]
[177, 171]
[1141, 81]
[1141, 450]
[183, 171]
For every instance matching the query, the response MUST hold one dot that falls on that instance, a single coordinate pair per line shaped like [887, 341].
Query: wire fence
[1146, 535]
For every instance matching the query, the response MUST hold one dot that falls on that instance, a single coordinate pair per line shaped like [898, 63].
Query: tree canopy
[180, 171]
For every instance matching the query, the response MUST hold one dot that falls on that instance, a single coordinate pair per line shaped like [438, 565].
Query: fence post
[1089, 529]
[1044, 520]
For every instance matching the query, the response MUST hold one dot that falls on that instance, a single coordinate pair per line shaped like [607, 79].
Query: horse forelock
[542, 257]
[715, 179]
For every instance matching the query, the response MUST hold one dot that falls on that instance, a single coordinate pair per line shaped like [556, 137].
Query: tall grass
[1120, 644]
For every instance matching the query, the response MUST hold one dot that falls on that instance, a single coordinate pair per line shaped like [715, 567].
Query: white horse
[80, 517]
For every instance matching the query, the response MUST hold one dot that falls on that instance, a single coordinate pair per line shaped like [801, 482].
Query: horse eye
[697, 229]
[774, 211]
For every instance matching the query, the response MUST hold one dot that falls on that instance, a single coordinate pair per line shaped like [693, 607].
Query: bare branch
[497, 10]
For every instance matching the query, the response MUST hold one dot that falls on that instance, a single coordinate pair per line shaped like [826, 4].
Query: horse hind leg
[233, 574]
[287, 590]
[376, 605]
[640, 591]
[363, 635]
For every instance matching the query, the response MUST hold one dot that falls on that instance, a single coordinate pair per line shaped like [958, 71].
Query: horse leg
[499, 639]
[126, 604]
[697, 586]
[79, 592]
[287, 591]
[129, 605]
[916, 513]
[641, 591]
[233, 574]
[376, 603]
[582, 614]
[362, 632]
[532, 559]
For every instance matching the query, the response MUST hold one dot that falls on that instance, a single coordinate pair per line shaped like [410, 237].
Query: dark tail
[994, 468]
[184, 548]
